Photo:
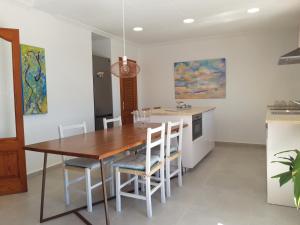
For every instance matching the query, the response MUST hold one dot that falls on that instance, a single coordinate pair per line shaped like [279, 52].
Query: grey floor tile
[227, 188]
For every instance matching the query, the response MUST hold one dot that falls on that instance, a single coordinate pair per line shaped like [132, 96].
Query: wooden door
[128, 89]
[12, 153]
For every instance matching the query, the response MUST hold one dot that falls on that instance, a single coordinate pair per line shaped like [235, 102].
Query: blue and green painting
[200, 79]
[34, 80]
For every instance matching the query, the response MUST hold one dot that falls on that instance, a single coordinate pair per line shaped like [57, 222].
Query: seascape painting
[34, 80]
[201, 79]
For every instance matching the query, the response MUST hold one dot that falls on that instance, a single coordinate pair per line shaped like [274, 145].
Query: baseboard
[223, 143]
[40, 171]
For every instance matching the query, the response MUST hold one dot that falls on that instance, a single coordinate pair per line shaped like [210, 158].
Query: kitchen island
[198, 136]
[283, 133]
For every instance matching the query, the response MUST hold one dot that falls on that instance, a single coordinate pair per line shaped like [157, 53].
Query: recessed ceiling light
[253, 10]
[189, 20]
[138, 29]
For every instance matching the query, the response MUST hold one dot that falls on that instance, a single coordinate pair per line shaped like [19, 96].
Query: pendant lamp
[124, 68]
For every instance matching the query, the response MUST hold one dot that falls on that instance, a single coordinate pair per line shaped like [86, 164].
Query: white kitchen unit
[283, 133]
[198, 136]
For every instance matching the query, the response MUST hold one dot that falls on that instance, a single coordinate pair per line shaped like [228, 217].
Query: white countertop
[287, 118]
[186, 112]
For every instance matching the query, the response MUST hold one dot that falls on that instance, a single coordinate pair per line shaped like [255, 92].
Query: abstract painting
[200, 79]
[34, 80]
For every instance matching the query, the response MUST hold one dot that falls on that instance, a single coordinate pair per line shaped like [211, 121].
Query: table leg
[104, 192]
[43, 188]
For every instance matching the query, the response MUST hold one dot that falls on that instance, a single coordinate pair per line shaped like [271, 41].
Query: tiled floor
[228, 187]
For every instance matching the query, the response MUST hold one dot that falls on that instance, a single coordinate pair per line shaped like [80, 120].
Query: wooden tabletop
[99, 144]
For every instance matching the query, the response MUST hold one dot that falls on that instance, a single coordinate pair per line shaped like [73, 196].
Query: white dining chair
[174, 152]
[81, 164]
[143, 166]
[113, 120]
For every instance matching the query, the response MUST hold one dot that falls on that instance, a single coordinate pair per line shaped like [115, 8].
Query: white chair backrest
[78, 128]
[174, 135]
[157, 141]
[113, 120]
[74, 127]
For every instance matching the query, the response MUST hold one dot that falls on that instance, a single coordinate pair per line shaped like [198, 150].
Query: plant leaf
[286, 158]
[283, 162]
[284, 177]
[296, 162]
[297, 190]
[295, 150]
[281, 174]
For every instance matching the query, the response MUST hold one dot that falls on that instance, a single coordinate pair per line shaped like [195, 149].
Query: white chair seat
[156, 150]
[139, 149]
[136, 162]
[86, 163]
[83, 163]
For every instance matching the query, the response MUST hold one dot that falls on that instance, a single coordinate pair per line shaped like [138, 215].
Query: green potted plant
[293, 162]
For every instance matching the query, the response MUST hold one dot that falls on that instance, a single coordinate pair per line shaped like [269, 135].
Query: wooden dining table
[96, 145]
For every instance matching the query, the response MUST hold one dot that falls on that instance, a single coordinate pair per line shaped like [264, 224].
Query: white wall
[132, 52]
[101, 47]
[254, 79]
[68, 69]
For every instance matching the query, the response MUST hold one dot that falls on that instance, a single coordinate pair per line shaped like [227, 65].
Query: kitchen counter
[283, 133]
[184, 112]
[198, 137]
[279, 118]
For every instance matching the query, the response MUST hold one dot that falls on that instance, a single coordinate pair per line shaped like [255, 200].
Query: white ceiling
[162, 19]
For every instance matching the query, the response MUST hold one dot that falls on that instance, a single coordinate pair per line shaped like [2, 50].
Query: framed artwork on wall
[200, 79]
[34, 80]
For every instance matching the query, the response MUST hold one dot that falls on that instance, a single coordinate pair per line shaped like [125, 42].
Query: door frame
[19, 183]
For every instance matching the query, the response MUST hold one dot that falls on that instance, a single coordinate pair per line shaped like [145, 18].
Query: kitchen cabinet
[283, 133]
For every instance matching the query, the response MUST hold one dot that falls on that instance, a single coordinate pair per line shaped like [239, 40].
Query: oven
[197, 126]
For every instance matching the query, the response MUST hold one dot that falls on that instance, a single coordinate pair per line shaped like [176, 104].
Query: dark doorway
[102, 90]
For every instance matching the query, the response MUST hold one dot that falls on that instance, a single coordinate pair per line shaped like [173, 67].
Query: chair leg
[162, 188]
[136, 185]
[168, 178]
[143, 185]
[118, 194]
[180, 171]
[148, 197]
[66, 187]
[88, 190]
[112, 181]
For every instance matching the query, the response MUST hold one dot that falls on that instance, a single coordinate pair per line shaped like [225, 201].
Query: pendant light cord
[123, 6]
